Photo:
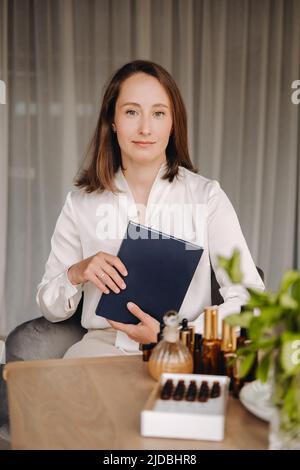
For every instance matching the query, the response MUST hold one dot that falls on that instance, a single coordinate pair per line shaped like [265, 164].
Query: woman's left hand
[145, 332]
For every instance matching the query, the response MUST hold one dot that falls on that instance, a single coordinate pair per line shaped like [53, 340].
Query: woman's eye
[130, 112]
[159, 113]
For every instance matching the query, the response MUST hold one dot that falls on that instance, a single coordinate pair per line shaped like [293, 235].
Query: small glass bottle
[238, 381]
[160, 333]
[228, 351]
[187, 335]
[211, 343]
[244, 341]
[170, 355]
[147, 350]
[198, 354]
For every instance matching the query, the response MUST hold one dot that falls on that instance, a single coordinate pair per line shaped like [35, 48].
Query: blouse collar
[123, 185]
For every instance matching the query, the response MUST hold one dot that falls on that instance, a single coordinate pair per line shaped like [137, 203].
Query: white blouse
[192, 208]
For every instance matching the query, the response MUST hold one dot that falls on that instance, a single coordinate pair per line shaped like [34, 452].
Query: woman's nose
[145, 127]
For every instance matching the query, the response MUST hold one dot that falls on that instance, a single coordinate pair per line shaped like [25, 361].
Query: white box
[183, 419]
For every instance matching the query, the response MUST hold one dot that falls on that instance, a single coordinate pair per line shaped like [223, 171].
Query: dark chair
[216, 298]
[41, 339]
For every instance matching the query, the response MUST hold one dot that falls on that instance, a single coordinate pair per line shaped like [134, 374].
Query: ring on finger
[101, 275]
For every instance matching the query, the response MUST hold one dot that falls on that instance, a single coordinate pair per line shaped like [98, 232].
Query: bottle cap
[146, 347]
[211, 323]
[229, 341]
[184, 324]
[171, 329]
[171, 318]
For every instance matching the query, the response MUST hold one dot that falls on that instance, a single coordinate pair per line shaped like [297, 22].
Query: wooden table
[95, 403]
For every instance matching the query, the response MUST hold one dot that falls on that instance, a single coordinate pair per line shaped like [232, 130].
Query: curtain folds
[3, 160]
[234, 61]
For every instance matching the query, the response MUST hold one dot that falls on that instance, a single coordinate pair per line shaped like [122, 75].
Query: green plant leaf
[289, 278]
[287, 302]
[295, 291]
[256, 329]
[260, 299]
[224, 263]
[270, 343]
[270, 315]
[249, 348]
[263, 367]
[278, 392]
[246, 364]
[236, 273]
[232, 266]
[239, 319]
[291, 404]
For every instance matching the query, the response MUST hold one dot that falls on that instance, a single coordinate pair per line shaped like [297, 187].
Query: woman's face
[143, 115]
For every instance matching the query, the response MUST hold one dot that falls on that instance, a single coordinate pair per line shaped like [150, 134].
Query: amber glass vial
[211, 343]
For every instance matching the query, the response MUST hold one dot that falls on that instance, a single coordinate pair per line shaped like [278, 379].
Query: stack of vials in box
[192, 392]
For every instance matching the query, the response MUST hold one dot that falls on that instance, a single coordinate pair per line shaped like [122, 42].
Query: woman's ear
[114, 127]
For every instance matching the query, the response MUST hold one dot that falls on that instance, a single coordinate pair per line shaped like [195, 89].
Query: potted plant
[273, 323]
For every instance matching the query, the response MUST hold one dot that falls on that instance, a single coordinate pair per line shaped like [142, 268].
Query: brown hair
[103, 157]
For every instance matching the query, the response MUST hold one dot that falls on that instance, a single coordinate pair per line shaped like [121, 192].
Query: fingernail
[130, 304]
[106, 292]
[125, 273]
[123, 286]
[117, 291]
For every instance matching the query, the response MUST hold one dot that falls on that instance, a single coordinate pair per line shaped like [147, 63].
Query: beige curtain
[234, 61]
[3, 162]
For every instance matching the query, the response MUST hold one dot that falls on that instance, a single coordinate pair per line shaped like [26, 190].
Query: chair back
[216, 298]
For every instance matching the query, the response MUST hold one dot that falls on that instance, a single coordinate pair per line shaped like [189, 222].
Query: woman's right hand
[102, 269]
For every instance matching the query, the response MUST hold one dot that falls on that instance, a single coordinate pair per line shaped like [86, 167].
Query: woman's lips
[143, 144]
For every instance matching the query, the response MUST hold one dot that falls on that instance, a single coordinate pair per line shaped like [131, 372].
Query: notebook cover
[160, 269]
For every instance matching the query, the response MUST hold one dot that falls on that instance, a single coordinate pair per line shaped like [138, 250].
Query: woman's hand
[145, 332]
[100, 270]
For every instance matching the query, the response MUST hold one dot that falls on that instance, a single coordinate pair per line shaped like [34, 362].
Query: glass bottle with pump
[170, 354]
[211, 342]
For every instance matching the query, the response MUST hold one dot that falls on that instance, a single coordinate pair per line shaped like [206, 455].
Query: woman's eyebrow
[138, 105]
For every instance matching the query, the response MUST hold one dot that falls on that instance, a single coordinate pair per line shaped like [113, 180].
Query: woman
[139, 168]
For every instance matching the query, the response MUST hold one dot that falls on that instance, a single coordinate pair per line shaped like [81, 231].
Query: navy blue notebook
[160, 269]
